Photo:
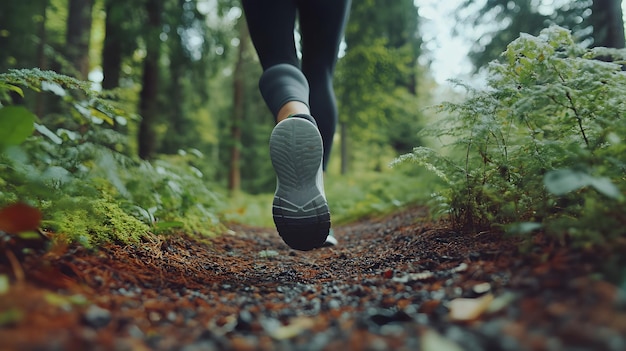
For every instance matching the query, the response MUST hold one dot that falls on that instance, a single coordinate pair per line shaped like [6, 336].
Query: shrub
[542, 146]
[79, 170]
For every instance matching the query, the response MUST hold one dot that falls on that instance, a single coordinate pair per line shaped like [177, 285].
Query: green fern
[551, 114]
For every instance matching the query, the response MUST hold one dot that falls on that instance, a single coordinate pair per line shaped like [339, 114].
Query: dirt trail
[394, 283]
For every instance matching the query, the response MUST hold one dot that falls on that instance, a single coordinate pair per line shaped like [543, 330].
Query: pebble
[96, 317]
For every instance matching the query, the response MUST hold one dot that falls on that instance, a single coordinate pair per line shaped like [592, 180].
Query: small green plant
[77, 167]
[542, 147]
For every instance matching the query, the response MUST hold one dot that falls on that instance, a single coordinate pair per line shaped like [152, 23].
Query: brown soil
[397, 282]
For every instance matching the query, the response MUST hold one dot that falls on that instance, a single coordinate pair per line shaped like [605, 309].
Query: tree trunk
[112, 46]
[148, 105]
[607, 22]
[234, 174]
[179, 128]
[78, 35]
[42, 60]
[344, 147]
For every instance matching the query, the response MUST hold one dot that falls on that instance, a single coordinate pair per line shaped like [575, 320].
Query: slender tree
[112, 46]
[377, 78]
[186, 75]
[607, 22]
[78, 35]
[148, 104]
[42, 59]
[234, 175]
[21, 25]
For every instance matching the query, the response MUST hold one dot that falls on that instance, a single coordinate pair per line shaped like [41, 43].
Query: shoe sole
[299, 208]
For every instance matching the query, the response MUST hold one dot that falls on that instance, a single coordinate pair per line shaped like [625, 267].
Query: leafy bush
[543, 146]
[78, 167]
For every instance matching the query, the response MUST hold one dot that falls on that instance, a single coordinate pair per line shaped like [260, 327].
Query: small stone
[171, 316]
[154, 316]
[268, 253]
[460, 268]
[481, 288]
[334, 304]
[96, 317]
[244, 321]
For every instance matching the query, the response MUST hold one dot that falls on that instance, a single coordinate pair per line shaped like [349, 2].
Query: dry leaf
[19, 217]
[465, 310]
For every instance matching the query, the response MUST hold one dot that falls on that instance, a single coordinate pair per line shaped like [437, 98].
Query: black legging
[321, 25]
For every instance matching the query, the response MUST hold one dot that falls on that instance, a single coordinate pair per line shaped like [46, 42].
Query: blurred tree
[377, 78]
[122, 30]
[245, 122]
[78, 34]
[22, 38]
[607, 22]
[20, 28]
[31, 35]
[148, 104]
[501, 21]
[234, 175]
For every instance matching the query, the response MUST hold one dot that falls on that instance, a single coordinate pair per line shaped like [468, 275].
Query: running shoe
[300, 209]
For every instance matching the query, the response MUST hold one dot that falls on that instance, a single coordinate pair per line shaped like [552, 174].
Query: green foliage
[16, 124]
[77, 168]
[367, 194]
[376, 81]
[92, 222]
[350, 197]
[543, 146]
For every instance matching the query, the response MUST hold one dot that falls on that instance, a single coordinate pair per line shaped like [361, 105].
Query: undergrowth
[350, 197]
[542, 147]
[77, 167]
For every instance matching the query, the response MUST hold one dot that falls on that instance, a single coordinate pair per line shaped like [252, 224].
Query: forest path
[394, 283]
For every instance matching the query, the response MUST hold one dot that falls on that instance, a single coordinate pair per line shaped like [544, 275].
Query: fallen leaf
[293, 329]
[19, 217]
[481, 288]
[410, 277]
[465, 310]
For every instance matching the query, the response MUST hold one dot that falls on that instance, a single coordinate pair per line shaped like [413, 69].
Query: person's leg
[299, 208]
[322, 23]
[283, 86]
[271, 25]
[285, 90]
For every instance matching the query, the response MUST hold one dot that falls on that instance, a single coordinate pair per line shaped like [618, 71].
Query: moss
[95, 222]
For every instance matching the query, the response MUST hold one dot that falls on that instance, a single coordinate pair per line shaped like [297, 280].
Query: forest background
[172, 130]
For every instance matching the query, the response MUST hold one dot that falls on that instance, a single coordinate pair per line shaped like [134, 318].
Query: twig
[18, 271]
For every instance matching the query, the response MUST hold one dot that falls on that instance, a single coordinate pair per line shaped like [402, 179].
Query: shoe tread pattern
[299, 208]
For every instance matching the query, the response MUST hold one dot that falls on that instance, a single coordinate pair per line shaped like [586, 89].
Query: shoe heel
[299, 209]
